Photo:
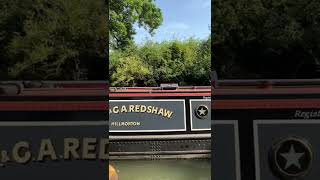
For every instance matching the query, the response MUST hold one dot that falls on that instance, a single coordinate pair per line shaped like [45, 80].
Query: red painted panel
[53, 106]
[267, 104]
[128, 95]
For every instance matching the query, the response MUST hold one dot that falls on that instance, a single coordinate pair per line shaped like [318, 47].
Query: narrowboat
[160, 122]
[53, 130]
[266, 129]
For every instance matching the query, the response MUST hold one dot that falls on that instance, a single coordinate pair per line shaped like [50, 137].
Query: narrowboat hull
[261, 122]
[143, 123]
[160, 124]
[48, 130]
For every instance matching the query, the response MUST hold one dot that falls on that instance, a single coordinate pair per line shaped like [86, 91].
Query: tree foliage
[125, 14]
[266, 38]
[184, 62]
[53, 39]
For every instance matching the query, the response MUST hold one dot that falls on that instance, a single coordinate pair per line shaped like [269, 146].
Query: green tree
[125, 14]
[131, 71]
[54, 39]
[183, 62]
[266, 38]
[198, 71]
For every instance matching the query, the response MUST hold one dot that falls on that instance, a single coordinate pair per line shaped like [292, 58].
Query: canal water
[163, 169]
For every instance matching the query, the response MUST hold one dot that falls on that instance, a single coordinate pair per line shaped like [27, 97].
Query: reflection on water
[163, 169]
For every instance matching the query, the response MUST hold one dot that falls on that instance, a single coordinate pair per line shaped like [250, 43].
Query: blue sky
[182, 19]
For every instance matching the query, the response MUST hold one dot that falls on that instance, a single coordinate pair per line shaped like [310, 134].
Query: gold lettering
[115, 110]
[137, 108]
[131, 108]
[143, 108]
[71, 146]
[154, 110]
[168, 113]
[17, 152]
[124, 109]
[103, 152]
[160, 112]
[89, 147]
[46, 150]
